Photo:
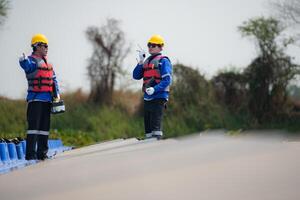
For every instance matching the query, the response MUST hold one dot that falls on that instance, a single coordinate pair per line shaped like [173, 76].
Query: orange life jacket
[40, 80]
[151, 71]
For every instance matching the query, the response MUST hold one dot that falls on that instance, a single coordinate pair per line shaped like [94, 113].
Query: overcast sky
[199, 33]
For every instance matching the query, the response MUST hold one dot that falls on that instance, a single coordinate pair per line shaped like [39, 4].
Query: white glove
[150, 90]
[23, 57]
[57, 98]
[142, 56]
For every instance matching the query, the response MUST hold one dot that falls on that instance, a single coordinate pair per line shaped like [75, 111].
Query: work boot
[157, 134]
[42, 149]
[148, 135]
[158, 137]
[43, 157]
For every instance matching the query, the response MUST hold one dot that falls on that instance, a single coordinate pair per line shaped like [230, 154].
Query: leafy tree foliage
[190, 87]
[231, 90]
[192, 98]
[269, 74]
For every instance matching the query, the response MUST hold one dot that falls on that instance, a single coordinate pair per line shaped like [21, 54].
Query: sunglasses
[43, 45]
[151, 45]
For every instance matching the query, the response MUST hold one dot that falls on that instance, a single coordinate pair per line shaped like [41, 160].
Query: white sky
[199, 33]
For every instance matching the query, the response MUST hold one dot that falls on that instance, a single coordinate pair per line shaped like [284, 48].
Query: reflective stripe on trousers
[37, 132]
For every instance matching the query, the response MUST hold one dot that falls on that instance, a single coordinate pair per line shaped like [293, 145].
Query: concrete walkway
[206, 166]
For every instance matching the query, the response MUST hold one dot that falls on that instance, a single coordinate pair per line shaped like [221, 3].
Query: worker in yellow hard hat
[42, 90]
[156, 72]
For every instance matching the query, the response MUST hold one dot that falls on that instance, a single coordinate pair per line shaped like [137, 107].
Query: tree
[3, 10]
[107, 58]
[269, 74]
[288, 10]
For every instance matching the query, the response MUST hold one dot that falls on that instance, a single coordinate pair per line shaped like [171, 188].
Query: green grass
[84, 123]
[81, 124]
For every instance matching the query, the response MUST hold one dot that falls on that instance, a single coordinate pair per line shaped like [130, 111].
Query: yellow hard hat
[156, 39]
[39, 38]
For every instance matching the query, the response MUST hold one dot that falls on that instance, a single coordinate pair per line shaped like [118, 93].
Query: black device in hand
[151, 83]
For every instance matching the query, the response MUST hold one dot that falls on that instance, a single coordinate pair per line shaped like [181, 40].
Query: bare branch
[288, 10]
[106, 62]
[4, 6]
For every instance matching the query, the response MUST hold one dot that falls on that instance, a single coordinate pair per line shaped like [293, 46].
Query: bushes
[12, 117]
[192, 102]
[92, 123]
[82, 123]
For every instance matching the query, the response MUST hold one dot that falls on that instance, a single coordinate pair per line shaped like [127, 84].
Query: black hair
[33, 48]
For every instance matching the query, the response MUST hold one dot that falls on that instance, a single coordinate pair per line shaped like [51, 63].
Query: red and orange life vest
[41, 80]
[151, 71]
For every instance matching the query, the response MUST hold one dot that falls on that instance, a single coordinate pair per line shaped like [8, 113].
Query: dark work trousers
[153, 115]
[38, 119]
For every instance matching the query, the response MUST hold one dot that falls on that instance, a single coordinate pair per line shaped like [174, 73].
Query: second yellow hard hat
[39, 38]
[156, 39]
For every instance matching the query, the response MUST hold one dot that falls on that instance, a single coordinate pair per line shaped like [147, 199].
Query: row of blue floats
[12, 153]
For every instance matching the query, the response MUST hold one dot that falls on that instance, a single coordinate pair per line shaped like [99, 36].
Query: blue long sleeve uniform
[166, 74]
[29, 65]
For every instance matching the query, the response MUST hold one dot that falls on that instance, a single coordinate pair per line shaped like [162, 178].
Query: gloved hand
[142, 56]
[23, 57]
[57, 98]
[150, 90]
